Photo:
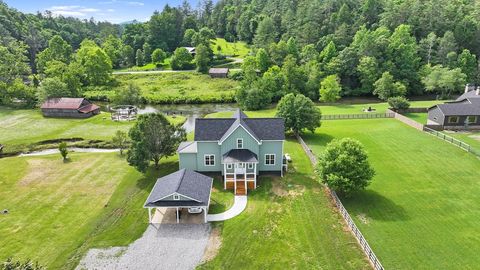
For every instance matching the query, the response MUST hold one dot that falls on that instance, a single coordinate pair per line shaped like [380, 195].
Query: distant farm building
[69, 107]
[218, 72]
[191, 50]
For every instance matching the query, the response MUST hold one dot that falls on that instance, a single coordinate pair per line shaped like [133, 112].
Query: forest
[323, 49]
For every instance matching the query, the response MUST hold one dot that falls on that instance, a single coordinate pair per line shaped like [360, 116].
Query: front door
[240, 168]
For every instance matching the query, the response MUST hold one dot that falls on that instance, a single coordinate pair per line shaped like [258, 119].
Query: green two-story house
[240, 148]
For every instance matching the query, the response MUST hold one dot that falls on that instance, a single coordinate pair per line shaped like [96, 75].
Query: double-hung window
[209, 160]
[471, 119]
[270, 159]
[239, 143]
[250, 166]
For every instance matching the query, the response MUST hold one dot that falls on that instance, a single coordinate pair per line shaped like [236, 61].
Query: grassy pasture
[59, 210]
[174, 87]
[238, 49]
[19, 129]
[421, 210]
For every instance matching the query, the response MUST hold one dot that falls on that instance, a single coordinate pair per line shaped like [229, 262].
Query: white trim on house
[176, 193]
[250, 165]
[274, 159]
[205, 160]
[229, 166]
[225, 136]
[240, 142]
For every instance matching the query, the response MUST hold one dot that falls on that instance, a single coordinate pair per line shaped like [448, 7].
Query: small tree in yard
[62, 147]
[120, 140]
[344, 166]
[152, 138]
[330, 89]
[299, 113]
[158, 56]
[398, 103]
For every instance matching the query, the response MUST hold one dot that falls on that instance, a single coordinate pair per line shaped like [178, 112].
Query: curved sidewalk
[239, 204]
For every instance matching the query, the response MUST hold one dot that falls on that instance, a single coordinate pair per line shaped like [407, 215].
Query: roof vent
[478, 91]
[467, 87]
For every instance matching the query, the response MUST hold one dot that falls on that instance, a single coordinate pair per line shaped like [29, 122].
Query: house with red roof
[69, 107]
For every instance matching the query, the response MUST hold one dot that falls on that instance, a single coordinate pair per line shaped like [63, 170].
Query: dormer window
[176, 197]
[239, 143]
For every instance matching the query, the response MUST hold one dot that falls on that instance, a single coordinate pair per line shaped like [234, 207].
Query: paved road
[239, 205]
[176, 246]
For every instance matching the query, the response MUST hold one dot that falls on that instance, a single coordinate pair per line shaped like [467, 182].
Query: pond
[189, 111]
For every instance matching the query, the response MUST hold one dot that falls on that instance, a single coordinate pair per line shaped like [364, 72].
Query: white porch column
[205, 209]
[255, 175]
[225, 176]
[178, 218]
[234, 180]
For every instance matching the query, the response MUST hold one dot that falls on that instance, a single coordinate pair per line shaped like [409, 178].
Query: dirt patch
[475, 137]
[363, 218]
[213, 245]
[38, 170]
[281, 189]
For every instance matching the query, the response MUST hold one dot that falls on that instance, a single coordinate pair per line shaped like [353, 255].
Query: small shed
[179, 190]
[218, 72]
[191, 50]
[69, 107]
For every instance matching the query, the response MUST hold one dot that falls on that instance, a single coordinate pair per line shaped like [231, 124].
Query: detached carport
[179, 190]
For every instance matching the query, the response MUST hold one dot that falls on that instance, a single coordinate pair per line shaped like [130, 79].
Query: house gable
[249, 142]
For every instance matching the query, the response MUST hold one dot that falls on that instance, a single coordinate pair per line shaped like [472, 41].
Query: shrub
[10, 264]
[62, 147]
[398, 103]
[344, 166]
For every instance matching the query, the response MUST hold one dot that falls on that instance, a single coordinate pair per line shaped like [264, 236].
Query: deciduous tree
[330, 89]
[344, 166]
[153, 138]
[299, 112]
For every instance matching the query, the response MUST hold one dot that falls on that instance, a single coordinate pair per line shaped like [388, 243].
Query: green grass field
[237, 49]
[59, 210]
[470, 137]
[289, 224]
[19, 129]
[421, 210]
[175, 87]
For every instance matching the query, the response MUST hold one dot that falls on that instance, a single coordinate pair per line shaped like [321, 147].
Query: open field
[421, 210]
[174, 87]
[58, 210]
[339, 108]
[237, 49]
[470, 137]
[19, 129]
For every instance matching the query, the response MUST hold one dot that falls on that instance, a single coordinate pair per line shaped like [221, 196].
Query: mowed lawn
[21, 128]
[421, 210]
[59, 210]
[237, 49]
[289, 223]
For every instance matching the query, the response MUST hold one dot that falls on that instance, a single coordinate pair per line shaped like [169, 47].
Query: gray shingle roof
[469, 94]
[214, 129]
[184, 182]
[239, 155]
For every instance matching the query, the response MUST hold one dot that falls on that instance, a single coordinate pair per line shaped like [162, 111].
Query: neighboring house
[179, 190]
[239, 148]
[463, 113]
[191, 50]
[218, 72]
[69, 107]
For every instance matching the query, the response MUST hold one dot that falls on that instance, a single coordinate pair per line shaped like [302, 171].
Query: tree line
[323, 49]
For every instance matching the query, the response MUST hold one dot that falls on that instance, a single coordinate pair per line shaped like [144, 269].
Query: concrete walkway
[238, 206]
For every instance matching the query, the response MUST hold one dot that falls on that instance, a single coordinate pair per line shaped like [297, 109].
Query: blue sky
[115, 11]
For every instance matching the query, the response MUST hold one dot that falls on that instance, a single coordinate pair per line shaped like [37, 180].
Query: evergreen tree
[139, 58]
[467, 62]
[265, 34]
[263, 60]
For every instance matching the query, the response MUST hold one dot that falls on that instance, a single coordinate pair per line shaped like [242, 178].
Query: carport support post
[178, 220]
[149, 215]
[205, 214]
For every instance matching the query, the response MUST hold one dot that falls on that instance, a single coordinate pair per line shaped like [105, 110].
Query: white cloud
[133, 3]
[110, 10]
[73, 11]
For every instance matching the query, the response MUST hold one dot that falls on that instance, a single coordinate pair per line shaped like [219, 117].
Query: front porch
[240, 171]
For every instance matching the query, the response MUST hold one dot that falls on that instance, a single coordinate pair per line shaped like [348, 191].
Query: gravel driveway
[162, 246]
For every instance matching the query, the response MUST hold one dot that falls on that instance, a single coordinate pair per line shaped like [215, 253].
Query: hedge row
[158, 98]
